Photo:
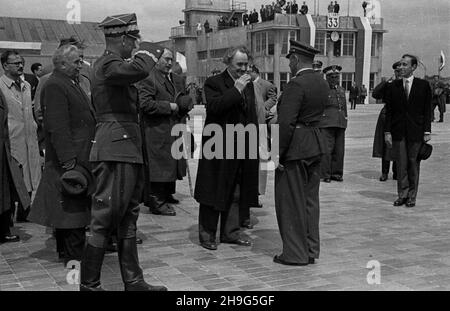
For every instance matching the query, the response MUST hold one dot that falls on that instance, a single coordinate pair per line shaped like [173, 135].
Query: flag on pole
[441, 61]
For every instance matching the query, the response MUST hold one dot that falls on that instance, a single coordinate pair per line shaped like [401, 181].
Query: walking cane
[188, 170]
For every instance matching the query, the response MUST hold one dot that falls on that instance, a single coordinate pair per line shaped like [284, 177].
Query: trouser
[70, 243]
[160, 191]
[5, 223]
[440, 108]
[332, 163]
[297, 209]
[115, 203]
[408, 168]
[208, 219]
[353, 103]
[385, 167]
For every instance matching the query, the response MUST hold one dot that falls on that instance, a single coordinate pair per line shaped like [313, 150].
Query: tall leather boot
[91, 267]
[129, 267]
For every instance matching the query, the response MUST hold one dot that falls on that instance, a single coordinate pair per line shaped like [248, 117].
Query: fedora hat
[77, 182]
[424, 151]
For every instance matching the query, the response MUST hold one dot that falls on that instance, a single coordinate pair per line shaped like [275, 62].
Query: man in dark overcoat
[380, 149]
[333, 125]
[10, 176]
[297, 177]
[160, 113]
[226, 183]
[408, 126]
[69, 126]
[116, 154]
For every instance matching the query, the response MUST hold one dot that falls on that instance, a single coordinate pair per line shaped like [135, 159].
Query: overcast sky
[421, 27]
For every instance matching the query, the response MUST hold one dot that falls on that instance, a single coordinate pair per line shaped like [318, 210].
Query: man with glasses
[22, 130]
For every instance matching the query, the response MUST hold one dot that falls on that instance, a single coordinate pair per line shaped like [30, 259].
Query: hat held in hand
[77, 182]
[424, 151]
[184, 102]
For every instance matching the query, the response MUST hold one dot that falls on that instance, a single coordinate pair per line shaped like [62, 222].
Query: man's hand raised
[242, 82]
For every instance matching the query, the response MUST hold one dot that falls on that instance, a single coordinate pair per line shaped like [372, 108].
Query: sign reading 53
[333, 20]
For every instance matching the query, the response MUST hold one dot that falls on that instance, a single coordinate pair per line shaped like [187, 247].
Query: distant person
[353, 96]
[438, 98]
[380, 148]
[33, 78]
[294, 7]
[206, 26]
[364, 6]
[331, 7]
[199, 29]
[245, 19]
[337, 7]
[317, 65]
[304, 8]
[362, 95]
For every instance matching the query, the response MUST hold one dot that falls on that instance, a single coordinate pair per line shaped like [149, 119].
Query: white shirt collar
[303, 69]
[410, 79]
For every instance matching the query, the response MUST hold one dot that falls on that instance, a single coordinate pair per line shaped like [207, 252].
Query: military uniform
[297, 179]
[116, 155]
[333, 124]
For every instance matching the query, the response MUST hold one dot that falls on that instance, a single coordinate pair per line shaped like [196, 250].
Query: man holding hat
[408, 127]
[63, 197]
[333, 124]
[301, 145]
[116, 154]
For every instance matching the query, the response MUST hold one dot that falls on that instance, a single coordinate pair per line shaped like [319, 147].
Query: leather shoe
[238, 242]
[9, 239]
[311, 261]
[399, 201]
[247, 224]
[277, 259]
[164, 210]
[327, 180]
[337, 178]
[410, 203]
[383, 177]
[209, 245]
[139, 241]
[172, 200]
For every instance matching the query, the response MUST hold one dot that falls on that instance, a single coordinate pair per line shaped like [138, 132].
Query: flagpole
[348, 7]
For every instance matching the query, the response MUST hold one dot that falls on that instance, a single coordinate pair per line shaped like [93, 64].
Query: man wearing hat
[116, 154]
[333, 124]
[408, 126]
[317, 65]
[380, 148]
[63, 197]
[301, 145]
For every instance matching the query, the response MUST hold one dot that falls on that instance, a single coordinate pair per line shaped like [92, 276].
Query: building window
[270, 77]
[286, 37]
[219, 53]
[374, 48]
[348, 43]
[283, 80]
[271, 43]
[261, 41]
[372, 79]
[320, 42]
[347, 79]
[202, 55]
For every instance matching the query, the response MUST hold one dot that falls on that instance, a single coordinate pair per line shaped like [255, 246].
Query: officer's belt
[117, 117]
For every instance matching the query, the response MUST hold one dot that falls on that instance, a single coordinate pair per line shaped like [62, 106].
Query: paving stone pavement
[358, 224]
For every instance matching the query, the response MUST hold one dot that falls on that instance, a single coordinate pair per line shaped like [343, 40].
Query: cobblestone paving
[358, 224]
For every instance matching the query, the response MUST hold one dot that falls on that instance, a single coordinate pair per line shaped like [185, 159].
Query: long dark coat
[69, 130]
[157, 120]
[216, 178]
[9, 168]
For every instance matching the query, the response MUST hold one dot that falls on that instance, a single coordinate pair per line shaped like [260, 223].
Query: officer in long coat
[116, 154]
[8, 169]
[224, 184]
[333, 124]
[69, 126]
[160, 113]
[297, 178]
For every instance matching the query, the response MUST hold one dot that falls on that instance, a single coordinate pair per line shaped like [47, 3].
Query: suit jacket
[69, 130]
[115, 98]
[216, 178]
[335, 114]
[408, 118]
[155, 95]
[264, 102]
[299, 112]
[30, 78]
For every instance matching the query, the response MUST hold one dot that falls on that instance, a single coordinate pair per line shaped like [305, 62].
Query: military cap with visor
[302, 49]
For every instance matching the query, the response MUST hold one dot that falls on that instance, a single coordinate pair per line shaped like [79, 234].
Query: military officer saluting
[333, 124]
[116, 154]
